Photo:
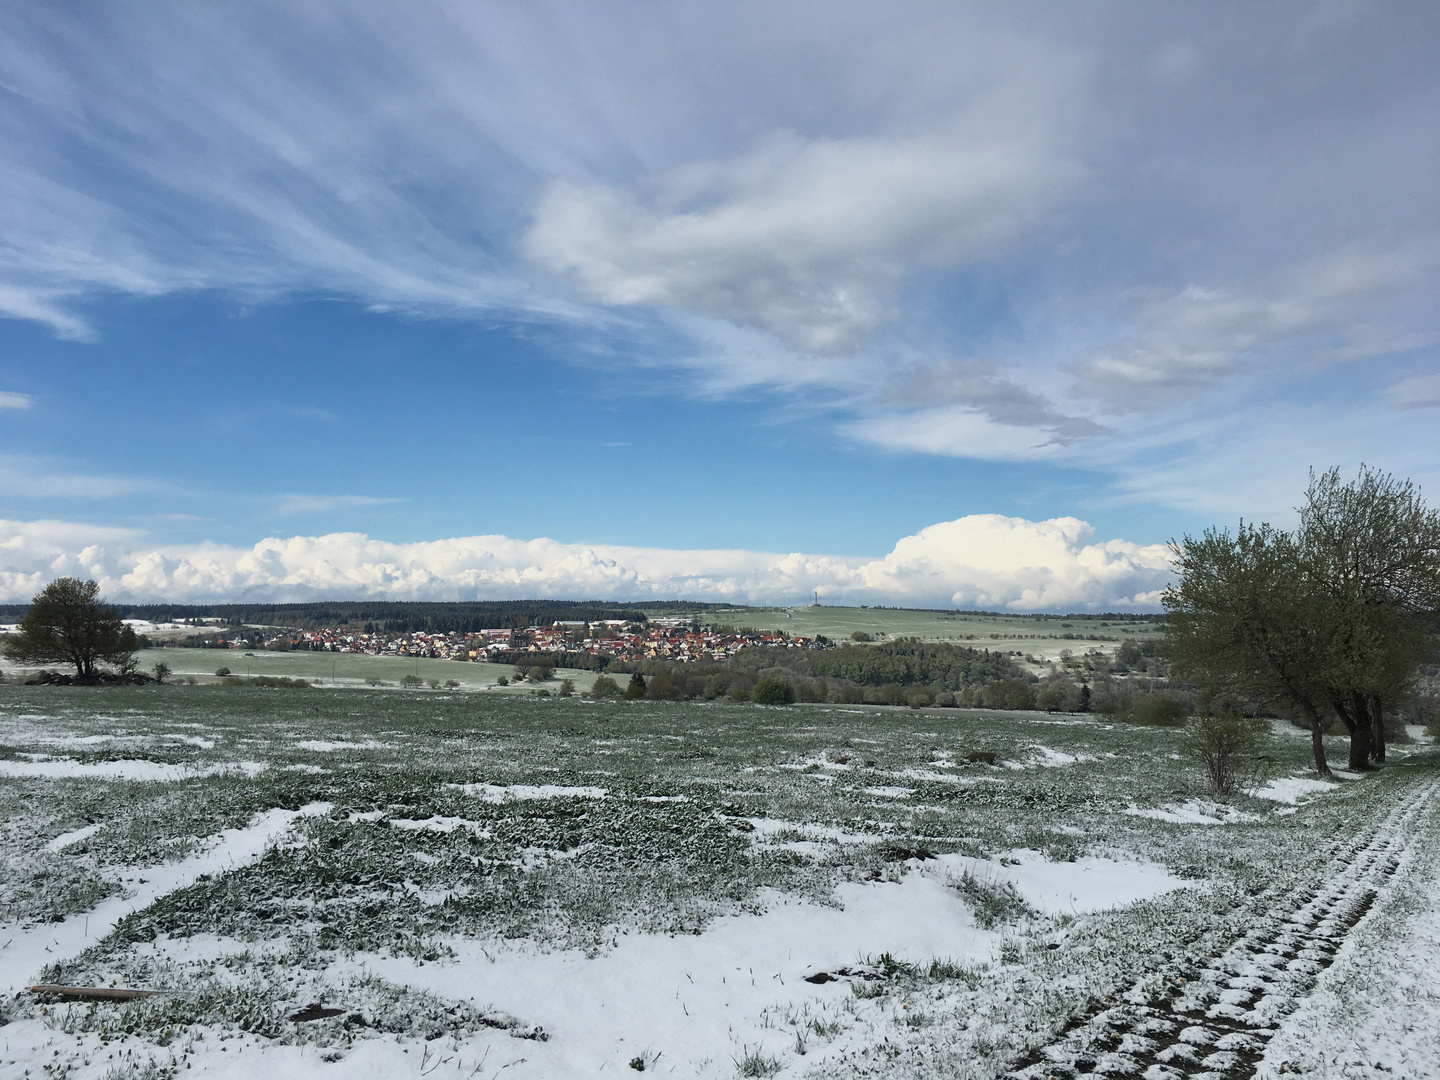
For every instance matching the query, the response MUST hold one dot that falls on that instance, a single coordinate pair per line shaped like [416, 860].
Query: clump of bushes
[1164, 708]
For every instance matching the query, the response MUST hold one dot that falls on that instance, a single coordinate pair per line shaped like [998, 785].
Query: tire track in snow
[1216, 1021]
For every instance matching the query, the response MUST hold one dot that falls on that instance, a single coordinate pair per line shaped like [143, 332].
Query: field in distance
[1039, 635]
[347, 669]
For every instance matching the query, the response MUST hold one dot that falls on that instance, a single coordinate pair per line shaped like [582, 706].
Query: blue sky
[967, 304]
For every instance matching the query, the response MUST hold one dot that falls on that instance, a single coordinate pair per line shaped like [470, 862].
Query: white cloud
[9, 399]
[958, 432]
[991, 561]
[983, 560]
[291, 505]
[19, 302]
[32, 477]
[1416, 392]
[807, 238]
[1320, 310]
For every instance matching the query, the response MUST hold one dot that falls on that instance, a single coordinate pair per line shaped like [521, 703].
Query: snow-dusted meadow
[509, 887]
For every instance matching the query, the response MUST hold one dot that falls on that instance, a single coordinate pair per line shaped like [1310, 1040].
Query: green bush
[772, 691]
[605, 687]
[917, 697]
[666, 686]
[1008, 694]
[636, 687]
[889, 694]
[1164, 708]
[1051, 698]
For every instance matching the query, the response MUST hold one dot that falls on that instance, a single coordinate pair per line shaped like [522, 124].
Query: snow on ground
[497, 793]
[1376, 1011]
[126, 769]
[889, 792]
[1053, 759]
[82, 741]
[932, 776]
[326, 746]
[1194, 812]
[694, 1003]
[242, 1058]
[1290, 789]
[820, 761]
[1068, 888]
[766, 827]
[27, 949]
[74, 836]
[701, 1000]
[438, 824]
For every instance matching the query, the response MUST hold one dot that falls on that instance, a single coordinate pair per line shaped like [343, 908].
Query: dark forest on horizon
[467, 616]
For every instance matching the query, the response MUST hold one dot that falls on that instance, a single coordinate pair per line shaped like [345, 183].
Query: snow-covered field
[512, 888]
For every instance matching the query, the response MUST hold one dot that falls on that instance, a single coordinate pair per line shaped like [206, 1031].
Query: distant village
[659, 639]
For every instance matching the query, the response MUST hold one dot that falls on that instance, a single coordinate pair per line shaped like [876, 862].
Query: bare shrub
[1225, 743]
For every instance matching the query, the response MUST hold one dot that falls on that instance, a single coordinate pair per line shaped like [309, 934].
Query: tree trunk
[1377, 730]
[1317, 739]
[1359, 734]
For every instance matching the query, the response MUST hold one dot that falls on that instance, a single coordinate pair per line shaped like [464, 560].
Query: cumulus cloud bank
[980, 561]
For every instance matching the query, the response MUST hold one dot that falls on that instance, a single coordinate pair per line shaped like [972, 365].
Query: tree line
[398, 617]
[900, 672]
